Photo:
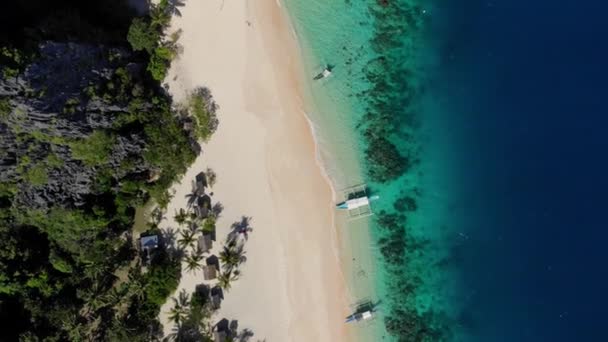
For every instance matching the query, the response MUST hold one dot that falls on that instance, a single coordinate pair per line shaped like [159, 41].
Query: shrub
[162, 279]
[93, 150]
[203, 109]
[209, 224]
[36, 175]
[159, 62]
[141, 36]
[5, 108]
[52, 160]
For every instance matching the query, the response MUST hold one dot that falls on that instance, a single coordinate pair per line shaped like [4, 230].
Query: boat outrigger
[363, 311]
[356, 202]
[325, 73]
[358, 317]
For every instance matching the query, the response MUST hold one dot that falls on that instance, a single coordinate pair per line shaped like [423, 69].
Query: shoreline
[306, 277]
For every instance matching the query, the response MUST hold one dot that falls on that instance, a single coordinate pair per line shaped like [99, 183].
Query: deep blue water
[524, 85]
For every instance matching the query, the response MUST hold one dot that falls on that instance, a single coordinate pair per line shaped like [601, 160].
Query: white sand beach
[292, 286]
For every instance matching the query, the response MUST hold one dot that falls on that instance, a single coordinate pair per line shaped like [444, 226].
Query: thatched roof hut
[209, 272]
[205, 242]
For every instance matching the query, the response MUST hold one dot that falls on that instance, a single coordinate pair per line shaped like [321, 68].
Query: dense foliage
[70, 271]
[147, 34]
[202, 108]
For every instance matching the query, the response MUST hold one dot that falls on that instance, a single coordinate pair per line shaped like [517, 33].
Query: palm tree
[187, 238]
[193, 261]
[136, 285]
[226, 278]
[157, 215]
[117, 295]
[232, 255]
[160, 14]
[179, 311]
[181, 216]
[192, 197]
[229, 258]
[193, 224]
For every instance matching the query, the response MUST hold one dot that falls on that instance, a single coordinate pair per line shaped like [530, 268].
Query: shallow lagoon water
[499, 107]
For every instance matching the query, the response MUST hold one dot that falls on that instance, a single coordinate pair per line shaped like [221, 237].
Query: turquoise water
[375, 124]
[481, 126]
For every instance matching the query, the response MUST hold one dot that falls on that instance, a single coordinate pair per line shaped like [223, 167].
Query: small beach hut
[215, 297]
[205, 243]
[200, 181]
[209, 272]
[148, 243]
[202, 206]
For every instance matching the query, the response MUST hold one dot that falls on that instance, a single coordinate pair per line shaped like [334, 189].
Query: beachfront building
[216, 295]
[200, 182]
[147, 245]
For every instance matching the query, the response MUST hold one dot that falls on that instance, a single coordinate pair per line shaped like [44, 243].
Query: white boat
[323, 74]
[356, 202]
[359, 316]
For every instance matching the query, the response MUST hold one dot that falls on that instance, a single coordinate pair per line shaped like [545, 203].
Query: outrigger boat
[363, 311]
[325, 73]
[358, 317]
[356, 202]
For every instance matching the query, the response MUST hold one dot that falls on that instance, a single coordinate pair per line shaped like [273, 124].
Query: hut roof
[209, 272]
[148, 242]
[200, 177]
[216, 301]
[205, 243]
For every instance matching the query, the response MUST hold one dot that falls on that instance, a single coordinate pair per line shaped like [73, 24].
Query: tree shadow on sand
[168, 237]
[240, 227]
[217, 209]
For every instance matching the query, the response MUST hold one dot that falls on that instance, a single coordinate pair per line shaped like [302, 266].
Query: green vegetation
[94, 150]
[5, 108]
[159, 62]
[191, 316]
[209, 224]
[71, 271]
[225, 279]
[52, 160]
[12, 61]
[162, 279]
[232, 256]
[36, 175]
[145, 34]
[202, 108]
[142, 36]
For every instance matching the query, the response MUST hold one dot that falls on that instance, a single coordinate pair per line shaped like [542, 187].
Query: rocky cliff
[52, 108]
